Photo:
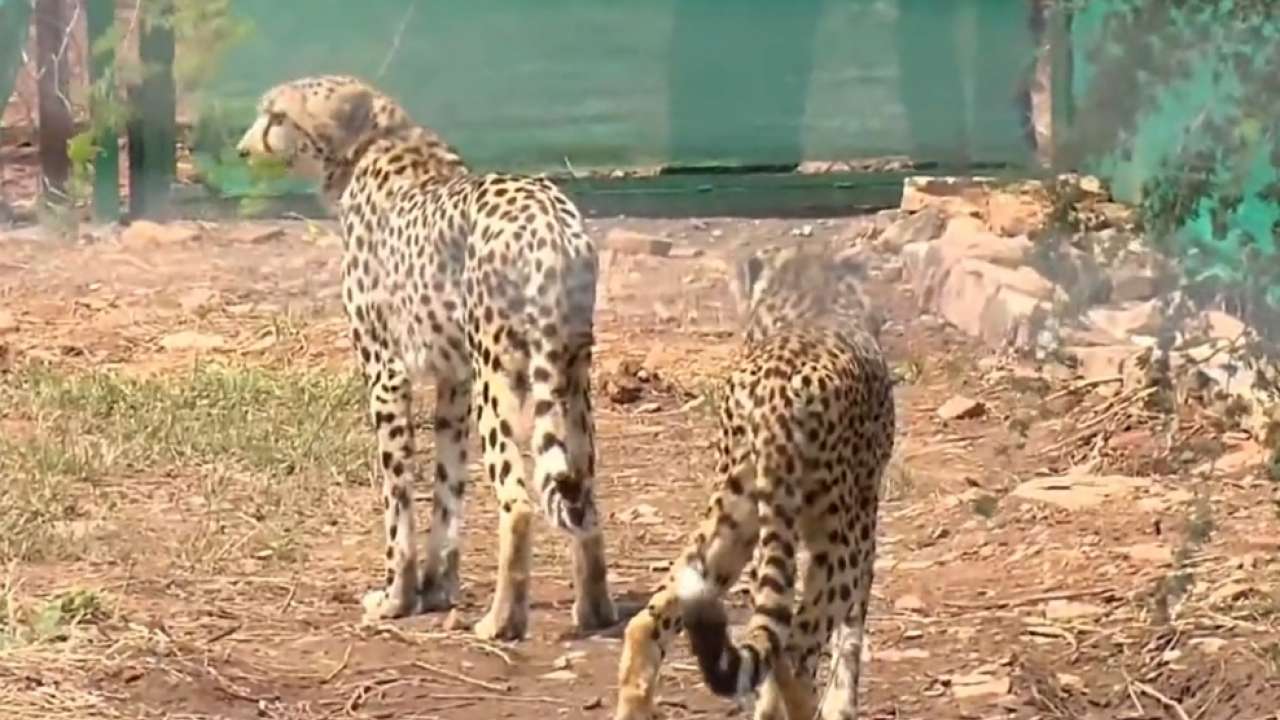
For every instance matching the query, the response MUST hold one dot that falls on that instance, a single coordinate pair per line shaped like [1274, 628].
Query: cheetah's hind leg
[593, 607]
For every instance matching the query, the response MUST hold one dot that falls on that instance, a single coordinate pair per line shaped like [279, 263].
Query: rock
[192, 340]
[913, 258]
[1079, 491]
[961, 408]
[685, 252]
[634, 243]
[1236, 462]
[1210, 645]
[869, 228]
[1128, 319]
[1130, 282]
[453, 621]
[1233, 591]
[1222, 326]
[197, 299]
[254, 233]
[1081, 277]
[978, 685]
[1155, 553]
[922, 226]
[891, 655]
[623, 391]
[968, 238]
[929, 268]
[891, 272]
[642, 514]
[909, 603]
[146, 232]
[992, 303]
[953, 196]
[1114, 214]
[1011, 214]
[1070, 610]
[8, 323]
[1070, 682]
[1100, 362]
[1087, 337]
[1088, 184]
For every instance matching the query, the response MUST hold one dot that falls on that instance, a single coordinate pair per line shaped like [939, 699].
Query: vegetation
[1214, 198]
[204, 32]
[66, 433]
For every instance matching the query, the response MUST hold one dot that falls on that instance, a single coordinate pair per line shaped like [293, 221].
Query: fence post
[1062, 103]
[152, 126]
[100, 18]
[54, 110]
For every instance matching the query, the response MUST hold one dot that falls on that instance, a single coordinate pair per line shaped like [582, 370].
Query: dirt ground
[170, 600]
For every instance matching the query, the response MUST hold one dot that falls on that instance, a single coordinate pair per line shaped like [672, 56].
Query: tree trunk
[52, 36]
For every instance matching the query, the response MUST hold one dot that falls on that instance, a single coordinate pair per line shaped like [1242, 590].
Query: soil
[987, 605]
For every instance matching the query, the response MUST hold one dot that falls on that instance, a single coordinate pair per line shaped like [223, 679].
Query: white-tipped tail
[691, 586]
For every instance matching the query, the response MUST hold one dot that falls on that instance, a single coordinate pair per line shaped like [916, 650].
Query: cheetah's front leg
[390, 408]
[722, 545]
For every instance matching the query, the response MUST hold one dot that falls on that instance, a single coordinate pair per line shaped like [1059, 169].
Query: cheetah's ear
[352, 114]
[752, 269]
[747, 272]
[852, 262]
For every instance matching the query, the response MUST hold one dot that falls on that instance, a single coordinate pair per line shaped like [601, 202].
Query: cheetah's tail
[576, 516]
[729, 670]
[565, 492]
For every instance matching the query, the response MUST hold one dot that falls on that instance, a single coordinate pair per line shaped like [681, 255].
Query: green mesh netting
[539, 86]
[1180, 109]
[14, 17]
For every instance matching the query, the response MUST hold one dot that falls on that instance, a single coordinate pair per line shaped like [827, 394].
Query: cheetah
[487, 283]
[806, 429]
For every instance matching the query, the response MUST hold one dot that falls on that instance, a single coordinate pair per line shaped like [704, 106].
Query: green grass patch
[52, 620]
[64, 431]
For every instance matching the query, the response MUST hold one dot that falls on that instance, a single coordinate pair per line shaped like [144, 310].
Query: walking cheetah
[486, 283]
[806, 430]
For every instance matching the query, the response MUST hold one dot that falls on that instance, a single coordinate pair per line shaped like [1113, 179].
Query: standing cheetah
[806, 430]
[486, 283]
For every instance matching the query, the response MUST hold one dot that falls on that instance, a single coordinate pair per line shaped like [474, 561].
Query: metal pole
[106, 167]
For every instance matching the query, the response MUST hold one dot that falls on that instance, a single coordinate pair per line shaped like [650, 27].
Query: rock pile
[1059, 272]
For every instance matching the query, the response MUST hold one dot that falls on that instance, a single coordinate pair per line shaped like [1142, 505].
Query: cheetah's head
[784, 285]
[310, 123]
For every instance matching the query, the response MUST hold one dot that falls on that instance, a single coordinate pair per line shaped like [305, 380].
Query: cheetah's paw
[513, 627]
[595, 613]
[634, 708]
[378, 605]
[438, 595]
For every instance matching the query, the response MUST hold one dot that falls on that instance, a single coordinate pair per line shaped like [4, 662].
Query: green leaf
[82, 148]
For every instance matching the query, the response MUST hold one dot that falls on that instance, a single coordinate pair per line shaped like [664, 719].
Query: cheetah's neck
[410, 150]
